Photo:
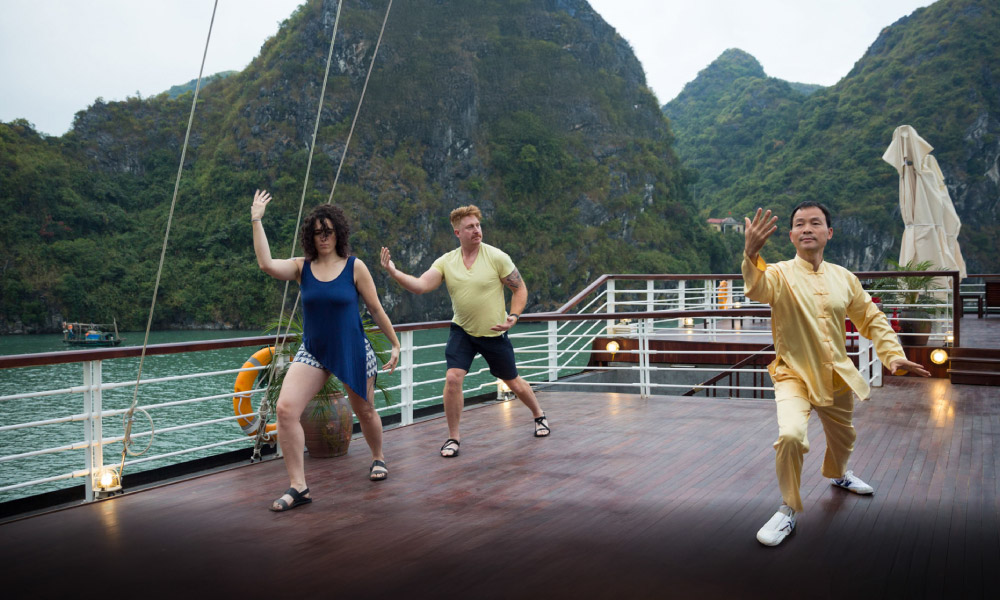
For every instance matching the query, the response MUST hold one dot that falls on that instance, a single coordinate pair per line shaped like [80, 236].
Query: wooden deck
[629, 498]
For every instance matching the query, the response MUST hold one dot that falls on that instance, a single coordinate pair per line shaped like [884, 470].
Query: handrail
[728, 372]
[72, 356]
[560, 314]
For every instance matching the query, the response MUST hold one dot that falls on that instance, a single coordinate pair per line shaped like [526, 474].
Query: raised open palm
[758, 230]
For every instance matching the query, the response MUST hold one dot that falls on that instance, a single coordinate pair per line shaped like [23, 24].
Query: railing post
[406, 377]
[553, 350]
[650, 296]
[681, 293]
[92, 430]
[611, 305]
[957, 309]
[865, 360]
[644, 374]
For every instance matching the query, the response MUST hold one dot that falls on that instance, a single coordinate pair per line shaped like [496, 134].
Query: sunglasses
[323, 232]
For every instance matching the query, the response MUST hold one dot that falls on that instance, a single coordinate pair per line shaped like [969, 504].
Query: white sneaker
[852, 482]
[778, 528]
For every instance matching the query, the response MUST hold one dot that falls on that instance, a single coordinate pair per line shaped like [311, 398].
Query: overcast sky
[58, 56]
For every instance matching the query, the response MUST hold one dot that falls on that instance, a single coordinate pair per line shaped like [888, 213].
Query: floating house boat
[91, 335]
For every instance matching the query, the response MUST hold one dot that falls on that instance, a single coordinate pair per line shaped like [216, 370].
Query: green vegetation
[538, 114]
[759, 141]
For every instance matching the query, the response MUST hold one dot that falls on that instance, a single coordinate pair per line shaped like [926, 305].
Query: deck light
[949, 339]
[503, 390]
[107, 483]
[939, 356]
[688, 322]
[613, 347]
[737, 304]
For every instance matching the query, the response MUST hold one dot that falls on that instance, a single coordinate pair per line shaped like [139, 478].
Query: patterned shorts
[371, 364]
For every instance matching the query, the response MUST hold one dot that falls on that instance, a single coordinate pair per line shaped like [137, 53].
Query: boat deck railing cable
[129, 416]
[265, 405]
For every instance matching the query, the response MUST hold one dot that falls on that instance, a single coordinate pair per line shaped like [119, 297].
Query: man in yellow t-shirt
[810, 300]
[475, 274]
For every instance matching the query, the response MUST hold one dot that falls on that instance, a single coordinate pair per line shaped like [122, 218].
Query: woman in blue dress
[331, 281]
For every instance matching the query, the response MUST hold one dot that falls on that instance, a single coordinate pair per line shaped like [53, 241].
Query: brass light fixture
[939, 356]
[107, 483]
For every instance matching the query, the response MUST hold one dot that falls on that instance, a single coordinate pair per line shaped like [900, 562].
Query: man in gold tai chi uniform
[475, 274]
[809, 301]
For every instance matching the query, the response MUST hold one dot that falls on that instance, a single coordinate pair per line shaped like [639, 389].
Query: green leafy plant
[291, 334]
[909, 289]
[917, 294]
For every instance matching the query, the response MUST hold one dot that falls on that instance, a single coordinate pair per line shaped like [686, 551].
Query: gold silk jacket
[808, 312]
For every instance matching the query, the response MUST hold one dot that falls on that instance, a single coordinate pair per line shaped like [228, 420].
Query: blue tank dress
[332, 327]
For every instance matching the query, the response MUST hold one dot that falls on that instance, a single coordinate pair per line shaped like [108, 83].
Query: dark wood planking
[630, 498]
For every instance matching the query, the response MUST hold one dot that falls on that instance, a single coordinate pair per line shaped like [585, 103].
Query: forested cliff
[536, 110]
[755, 140]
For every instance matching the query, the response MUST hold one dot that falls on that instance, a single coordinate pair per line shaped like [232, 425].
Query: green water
[14, 381]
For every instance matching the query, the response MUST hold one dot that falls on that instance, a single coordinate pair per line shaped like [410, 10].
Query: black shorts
[498, 352]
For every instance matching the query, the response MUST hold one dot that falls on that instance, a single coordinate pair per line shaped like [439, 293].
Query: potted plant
[916, 294]
[327, 420]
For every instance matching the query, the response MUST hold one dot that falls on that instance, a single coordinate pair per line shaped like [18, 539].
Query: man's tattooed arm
[513, 281]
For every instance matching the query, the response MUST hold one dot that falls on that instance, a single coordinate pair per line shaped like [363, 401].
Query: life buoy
[243, 405]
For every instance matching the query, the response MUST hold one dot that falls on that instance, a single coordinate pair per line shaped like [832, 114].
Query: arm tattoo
[513, 281]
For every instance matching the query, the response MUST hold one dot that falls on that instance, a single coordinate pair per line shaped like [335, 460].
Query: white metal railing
[552, 353]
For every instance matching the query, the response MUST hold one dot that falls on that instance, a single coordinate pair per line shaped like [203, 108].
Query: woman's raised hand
[757, 231]
[260, 200]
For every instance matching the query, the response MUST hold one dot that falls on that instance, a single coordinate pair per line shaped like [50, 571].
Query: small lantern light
[613, 347]
[688, 322]
[949, 339]
[504, 392]
[939, 356]
[107, 483]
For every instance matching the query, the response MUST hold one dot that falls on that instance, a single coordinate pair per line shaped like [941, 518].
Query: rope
[128, 418]
[265, 407]
[362, 99]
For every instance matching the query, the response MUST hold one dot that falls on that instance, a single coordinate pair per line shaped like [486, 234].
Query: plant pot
[919, 331]
[328, 424]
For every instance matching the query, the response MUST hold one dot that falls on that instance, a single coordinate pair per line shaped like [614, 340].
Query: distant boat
[91, 334]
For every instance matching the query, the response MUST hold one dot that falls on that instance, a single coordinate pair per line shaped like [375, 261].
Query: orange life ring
[243, 405]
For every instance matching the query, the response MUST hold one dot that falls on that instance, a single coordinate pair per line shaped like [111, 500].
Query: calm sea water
[14, 381]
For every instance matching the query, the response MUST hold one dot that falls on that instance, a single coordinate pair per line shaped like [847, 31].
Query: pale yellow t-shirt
[808, 312]
[477, 293]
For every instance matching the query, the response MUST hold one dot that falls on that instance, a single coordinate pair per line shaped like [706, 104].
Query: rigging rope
[128, 417]
[265, 406]
[362, 99]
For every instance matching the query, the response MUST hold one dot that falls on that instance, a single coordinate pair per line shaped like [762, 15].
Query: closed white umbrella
[932, 225]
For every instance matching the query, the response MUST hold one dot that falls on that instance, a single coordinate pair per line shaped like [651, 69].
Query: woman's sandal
[378, 472]
[298, 499]
[450, 445]
[542, 427]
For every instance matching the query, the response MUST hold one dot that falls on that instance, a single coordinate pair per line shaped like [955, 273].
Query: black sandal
[380, 465]
[451, 442]
[298, 499]
[542, 425]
